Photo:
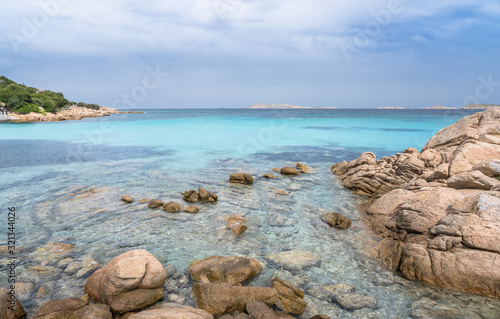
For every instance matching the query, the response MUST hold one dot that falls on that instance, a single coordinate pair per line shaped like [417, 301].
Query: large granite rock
[438, 211]
[131, 281]
[230, 270]
[219, 299]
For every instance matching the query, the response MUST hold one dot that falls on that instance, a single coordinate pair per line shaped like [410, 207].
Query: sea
[65, 180]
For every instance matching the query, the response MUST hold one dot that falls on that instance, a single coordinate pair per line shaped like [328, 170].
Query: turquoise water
[48, 168]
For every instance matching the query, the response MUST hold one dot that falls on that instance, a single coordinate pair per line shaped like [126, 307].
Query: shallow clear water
[48, 169]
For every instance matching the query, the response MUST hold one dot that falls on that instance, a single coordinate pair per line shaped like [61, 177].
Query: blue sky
[234, 53]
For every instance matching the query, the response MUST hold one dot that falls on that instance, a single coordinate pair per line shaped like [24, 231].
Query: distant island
[390, 108]
[480, 106]
[27, 104]
[286, 106]
[440, 107]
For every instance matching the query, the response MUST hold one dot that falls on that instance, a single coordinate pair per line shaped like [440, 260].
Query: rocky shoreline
[70, 113]
[438, 210]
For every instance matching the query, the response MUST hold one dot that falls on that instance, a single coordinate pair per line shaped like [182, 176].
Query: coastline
[436, 211]
[68, 114]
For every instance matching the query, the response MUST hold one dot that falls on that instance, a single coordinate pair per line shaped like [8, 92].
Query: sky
[234, 53]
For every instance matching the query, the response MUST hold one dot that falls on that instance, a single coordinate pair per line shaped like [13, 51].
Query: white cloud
[207, 26]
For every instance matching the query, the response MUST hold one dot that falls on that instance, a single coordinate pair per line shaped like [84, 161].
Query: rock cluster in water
[131, 285]
[438, 210]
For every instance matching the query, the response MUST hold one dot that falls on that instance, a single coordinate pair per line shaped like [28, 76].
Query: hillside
[22, 99]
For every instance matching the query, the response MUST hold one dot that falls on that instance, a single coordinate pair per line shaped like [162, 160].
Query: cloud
[241, 44]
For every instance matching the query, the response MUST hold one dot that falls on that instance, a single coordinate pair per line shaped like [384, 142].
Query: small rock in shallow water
[237, 224]
[239, 229]
[144, 200]
[289, 171]
[352, 301]
[241, 178]
[301, 166]
[190, 209]
[172, 207]
[155, 203]
[127, 199]
[268, 175]
[337, 220]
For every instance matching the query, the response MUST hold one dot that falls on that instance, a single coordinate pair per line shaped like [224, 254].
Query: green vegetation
[90, 106]
[497, 177]
[23, 99]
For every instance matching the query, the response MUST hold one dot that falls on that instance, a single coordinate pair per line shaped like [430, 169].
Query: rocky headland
[437, 210]
[70, 113]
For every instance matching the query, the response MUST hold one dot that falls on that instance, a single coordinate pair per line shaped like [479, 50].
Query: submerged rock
[352, 301]
[155, 203]
[241, 178]
[190, 209]
[337, 220]
[302, 166]
[426, 308]
[230, 270]
[294, 259]
[237, 224]
[172, 207]
[289, 171]
[268, 175]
